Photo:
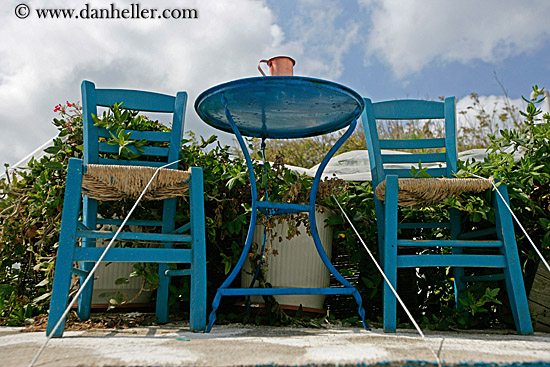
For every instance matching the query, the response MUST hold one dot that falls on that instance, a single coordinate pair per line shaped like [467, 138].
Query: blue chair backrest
[442, 164]
[133, 100]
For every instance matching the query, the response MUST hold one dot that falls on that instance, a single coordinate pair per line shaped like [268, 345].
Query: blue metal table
[281, 107]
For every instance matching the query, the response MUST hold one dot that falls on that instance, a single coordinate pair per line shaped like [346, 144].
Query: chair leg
[390, 253]
[197, 320]
[512, 273]
[65, 252]
[85, 299]
[161, 310]
[163, 291]
[89, 218]
[458, 273]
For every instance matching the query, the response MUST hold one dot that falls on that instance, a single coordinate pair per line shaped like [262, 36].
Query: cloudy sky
[383, 49]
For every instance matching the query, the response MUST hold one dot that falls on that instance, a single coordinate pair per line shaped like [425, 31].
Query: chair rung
[423, 225]
[482, 278]
[79, 272]
[448, 243]
[281, 208]
[177, 273]
[462, 260]
[477, 234]
[163, 237]
[131, 222]
[186, 227]
[280, 291]
[151, 255]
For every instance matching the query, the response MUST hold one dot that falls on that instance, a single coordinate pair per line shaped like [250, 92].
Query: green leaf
[120, 281]
[44, 282]
[41, 297]
[54, 165]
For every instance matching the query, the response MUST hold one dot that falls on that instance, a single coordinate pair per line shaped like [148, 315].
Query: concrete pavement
[238, 345]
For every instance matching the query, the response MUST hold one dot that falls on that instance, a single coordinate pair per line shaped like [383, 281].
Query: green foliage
[527, 178]
[31, 200]
[118, 120]
[473, 312]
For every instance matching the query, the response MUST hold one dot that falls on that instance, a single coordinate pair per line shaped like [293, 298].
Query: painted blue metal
[412, 143]
[153, 255]
[87, 229]
[387, 212]
[442, 243]
[281, 107]
[280, 291]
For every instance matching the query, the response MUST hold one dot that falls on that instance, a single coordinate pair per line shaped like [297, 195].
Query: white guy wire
[31, 154]
[390, 285]
[90, 275]
[517, 221]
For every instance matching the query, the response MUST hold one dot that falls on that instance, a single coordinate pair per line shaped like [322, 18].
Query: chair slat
[148, 151]
[153, 136]
[136, 100]
[411, 143]
[409, 110]
[413, 158]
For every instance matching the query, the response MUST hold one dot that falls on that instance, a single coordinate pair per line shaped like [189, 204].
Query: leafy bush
[31, 201]
[528, 182]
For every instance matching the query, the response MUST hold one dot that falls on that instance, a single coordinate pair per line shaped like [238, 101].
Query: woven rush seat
[429, 191]
[114, 182]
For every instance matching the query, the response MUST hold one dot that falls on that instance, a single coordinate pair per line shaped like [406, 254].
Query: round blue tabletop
[280, 106]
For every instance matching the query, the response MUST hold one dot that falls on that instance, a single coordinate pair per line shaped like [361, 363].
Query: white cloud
[44, 61]
[321, 36]
[410, 35]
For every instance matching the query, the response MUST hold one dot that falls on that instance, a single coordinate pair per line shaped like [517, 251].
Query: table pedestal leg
[313, 224]
[224, 289]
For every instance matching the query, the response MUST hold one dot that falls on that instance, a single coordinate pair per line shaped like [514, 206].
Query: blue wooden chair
[394, 187]
[117, 178]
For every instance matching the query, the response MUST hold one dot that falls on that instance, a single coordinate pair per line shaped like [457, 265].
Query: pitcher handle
[259, 67]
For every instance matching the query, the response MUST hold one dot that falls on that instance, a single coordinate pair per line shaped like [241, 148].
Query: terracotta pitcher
[278, 65]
